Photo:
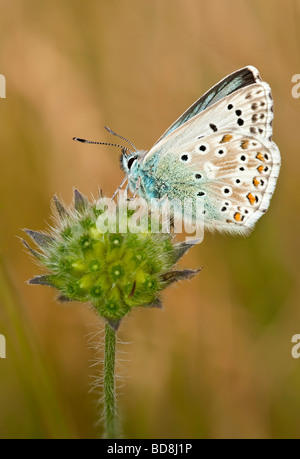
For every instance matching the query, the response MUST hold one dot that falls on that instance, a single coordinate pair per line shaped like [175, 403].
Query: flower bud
[114, 272]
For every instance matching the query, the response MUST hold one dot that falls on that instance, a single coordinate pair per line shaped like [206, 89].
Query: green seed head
[115, 272]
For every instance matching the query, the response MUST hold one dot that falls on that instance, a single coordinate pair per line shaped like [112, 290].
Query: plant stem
[109, 383]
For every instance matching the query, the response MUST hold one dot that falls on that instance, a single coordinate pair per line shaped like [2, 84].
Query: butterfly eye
[131, 161]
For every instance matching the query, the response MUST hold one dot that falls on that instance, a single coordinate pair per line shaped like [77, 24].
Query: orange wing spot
[251, 198]
[226, 138]
[260, 168]
[244, 144]
[237, 216]
[260, 156]
[255, 182]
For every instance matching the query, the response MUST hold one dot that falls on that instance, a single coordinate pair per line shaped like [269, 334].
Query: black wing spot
[213, 127]
[184, 158]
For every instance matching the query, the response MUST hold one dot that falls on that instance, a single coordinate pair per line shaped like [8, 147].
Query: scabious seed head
[114, 272]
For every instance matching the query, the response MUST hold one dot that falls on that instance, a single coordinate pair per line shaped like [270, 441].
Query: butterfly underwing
[221, 150]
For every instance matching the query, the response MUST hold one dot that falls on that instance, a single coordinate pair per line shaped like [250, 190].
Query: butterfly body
[221, 150]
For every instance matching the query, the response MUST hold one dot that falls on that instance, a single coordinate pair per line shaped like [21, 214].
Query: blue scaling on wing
[237, 80]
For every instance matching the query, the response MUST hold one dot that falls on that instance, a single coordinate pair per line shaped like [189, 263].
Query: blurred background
[216, 361]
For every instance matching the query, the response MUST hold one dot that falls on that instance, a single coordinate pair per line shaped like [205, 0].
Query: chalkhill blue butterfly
[220, 149]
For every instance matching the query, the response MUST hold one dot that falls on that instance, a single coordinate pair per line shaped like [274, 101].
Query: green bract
[114, 272]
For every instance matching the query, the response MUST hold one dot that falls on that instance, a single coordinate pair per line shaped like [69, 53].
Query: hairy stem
[109, 383]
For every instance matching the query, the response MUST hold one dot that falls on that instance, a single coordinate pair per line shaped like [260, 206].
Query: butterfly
[219, 149]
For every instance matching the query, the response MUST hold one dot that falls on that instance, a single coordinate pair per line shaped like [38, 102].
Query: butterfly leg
[138, 184]
[119, 187]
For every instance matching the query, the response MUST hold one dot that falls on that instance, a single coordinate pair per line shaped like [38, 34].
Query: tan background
[216, 362]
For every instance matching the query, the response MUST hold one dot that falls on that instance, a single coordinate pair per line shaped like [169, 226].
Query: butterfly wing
[250, 110]
[235, 174]
[227, 146]
[237, 80]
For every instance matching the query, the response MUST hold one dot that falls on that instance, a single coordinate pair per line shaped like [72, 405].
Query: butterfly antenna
[120, 136]
[101, 143]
